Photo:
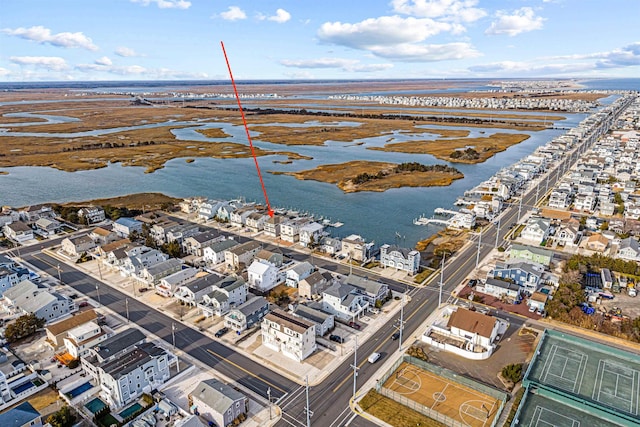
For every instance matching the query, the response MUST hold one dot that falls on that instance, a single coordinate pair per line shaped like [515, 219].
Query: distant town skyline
[180, 39]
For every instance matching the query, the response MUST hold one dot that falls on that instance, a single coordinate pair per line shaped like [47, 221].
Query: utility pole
[126, 306]
[269, 397]
[404, 296]
[100, 270]
[355, 366]
[308, 410]
[498, 232]
[173, 334]
[520, 204]
[59, 276]
[479, 243]
[441, 279]
[98, 291]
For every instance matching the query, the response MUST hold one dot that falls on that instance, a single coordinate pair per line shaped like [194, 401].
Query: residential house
[607, 208]
[140, 257]
[330, 245]
[263, 275]
[400, 258]
[196, 244]
[272, 226]
[474, 326]
[33, 213]
[241, 254]
[57, 331]
[110, 349]
[567, 234]
[181, 232]
[292, 336]
[531, 253]
[7, 216]
[11, 275]
[274, 258]
[298, 272]
[134, 372]
[18, 232]
[559, 199]
[629, 249]
[373, 290]
[225, 294]
[522, 273]
[247, 315]
[538, 300]
[28, 298]
[47, 227]
[607, 278]
[597, 243]
[256, 221]
[215, 253]
[159, 228]
[310, 234]
[23, 415]
[290, 230]
[500, 289]
[218, 403]
[103, 236]
[225, 211]
[354, 247]
[91, 214]
[191, 293]
[154, 273]
[168, 284]
[81, 338]
[344, 301]
[585, 202]
[238, 218]
[324, 322]
[103, 251]
[76, 246]
[208, 209]
[314, 284]
[124, 226]
[536, 231]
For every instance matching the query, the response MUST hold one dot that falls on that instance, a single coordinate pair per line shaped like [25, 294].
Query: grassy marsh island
[362, 175]
[458, 150]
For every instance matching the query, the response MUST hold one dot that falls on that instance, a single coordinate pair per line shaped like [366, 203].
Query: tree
[172, 249]
[65, 417]
[22, 327]
[513, 372]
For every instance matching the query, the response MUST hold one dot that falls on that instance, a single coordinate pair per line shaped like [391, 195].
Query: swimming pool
[23, 387]
[130, 410]
[95, 405]
[79, 390]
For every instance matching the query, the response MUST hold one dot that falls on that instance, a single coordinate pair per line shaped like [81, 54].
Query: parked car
[336, 338]
[395, 336]
[83, 304]
[143, 290]
[472, 282]
[74, 296]
[374, 357]
[221, 332]
[354, 325]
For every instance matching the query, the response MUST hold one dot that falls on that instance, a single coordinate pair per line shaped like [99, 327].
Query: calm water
[376, 216]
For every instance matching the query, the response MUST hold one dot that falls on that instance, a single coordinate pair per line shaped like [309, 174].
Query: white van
[374, 357]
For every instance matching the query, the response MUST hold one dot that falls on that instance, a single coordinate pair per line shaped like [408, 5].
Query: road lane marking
[245, 370]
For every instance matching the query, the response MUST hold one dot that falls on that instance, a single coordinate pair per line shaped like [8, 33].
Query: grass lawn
[394, 413]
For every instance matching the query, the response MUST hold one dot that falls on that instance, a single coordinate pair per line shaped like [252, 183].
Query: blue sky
[317, 39]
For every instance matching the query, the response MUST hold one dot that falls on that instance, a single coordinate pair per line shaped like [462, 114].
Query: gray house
[246, 315]
[324, 322]
[26, 297]
[191, 293]
[218, 402]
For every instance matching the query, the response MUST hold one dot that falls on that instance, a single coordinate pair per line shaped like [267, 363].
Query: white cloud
[233, 14]
[382, 31]
[450, 10]
[103, 61]
[43, 35]
[53, 63]
[351, 65]
[521, 21]
[138, 71]
[398, 38]
[280, 17]
[4, 72]
[166, 4]
[533, 68]
[126, 52]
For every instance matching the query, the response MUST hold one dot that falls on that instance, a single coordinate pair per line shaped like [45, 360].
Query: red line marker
[246, 128]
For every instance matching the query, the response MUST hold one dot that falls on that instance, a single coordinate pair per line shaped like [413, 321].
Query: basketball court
[458, 402]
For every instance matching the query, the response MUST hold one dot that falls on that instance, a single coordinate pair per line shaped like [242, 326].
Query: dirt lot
[630, 306]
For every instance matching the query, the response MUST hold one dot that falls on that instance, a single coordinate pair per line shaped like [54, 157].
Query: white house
[256, 221]
[47, 226]
[400, 258]
[18, 232]
[76, 246]
[191, 293]
[196, 244]
[354, 247]
[292, 336]
[272, 226]
[218, 403]
[170, 283]
[224, 294]
[344, 301]
[310, 234]
[214, 254]
[92, 214]
[479, 329]
[241, 254]
[125, 226]
[262, 275]
[290, 230]
[629, 249]
[500, 289]
[536, 231]
[324, 322]
[298, 272]
[26, 297]
[81, 338]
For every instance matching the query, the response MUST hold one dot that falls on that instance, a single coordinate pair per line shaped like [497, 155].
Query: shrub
[513, 372]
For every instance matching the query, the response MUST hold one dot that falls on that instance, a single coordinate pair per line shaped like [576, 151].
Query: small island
[459, 150]
[362, 175]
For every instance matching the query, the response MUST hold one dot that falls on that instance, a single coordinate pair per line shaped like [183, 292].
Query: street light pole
[520, 207]
[479, 243]
[404, 296]
[269, 397]
[355, 366]
[126, 305]
[498, 232]
[308, 410]
[173, 334]
[98, 291]
[59, 276]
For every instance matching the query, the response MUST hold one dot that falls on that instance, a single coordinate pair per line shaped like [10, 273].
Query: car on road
[374, 357]
[354, 325]
[221, 332]
[395, 336]
[336, 338]
[83, 304]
